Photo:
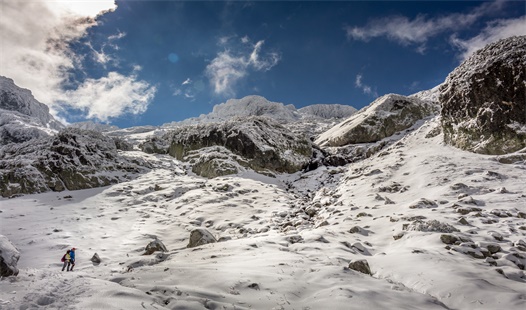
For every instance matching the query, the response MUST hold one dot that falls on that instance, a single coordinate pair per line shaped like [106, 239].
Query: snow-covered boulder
[483, 100]
[9, 256]
[263, 143]
[199, 237]
[73, 159]
[382, 118]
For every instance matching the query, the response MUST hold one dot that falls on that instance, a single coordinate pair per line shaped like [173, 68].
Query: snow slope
[287, 241]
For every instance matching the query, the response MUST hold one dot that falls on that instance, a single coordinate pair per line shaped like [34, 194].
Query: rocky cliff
[73, 159]
[484, 100]
[22, 117]
[262, 142]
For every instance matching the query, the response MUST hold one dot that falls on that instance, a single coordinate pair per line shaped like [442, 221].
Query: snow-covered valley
[273, 254]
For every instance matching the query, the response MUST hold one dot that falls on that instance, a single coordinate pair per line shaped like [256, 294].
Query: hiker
[66, 259]
[72, 258]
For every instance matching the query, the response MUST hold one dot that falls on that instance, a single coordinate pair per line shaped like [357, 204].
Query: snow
[9, 254]
[287, 240]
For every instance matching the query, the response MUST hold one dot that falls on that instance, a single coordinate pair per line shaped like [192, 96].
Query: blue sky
[153, 62]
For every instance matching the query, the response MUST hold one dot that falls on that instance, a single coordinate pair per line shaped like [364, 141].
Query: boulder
[449, 239]
[199, 237]
[483, 108]
[154, 246]
[96, 259]
[361, 266]
[9, 256]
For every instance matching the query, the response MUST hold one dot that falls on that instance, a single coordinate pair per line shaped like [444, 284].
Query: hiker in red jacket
[66, 259]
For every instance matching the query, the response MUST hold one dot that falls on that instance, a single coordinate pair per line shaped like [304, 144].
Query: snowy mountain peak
[14, 98]
[255, 106]
[22, 117]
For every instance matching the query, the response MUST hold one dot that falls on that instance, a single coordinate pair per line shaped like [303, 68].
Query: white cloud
[418, 30]
[245, 40]
[111, 96]
[187, 81]
[366, 89]
[35, 38]
[495, 31]
[228, 67]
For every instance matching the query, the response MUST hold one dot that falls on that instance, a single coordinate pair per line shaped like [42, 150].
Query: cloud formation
[419, 30]
[228, 67]
[366, 89]
[36, 37]
[495, 31]
[111, 96]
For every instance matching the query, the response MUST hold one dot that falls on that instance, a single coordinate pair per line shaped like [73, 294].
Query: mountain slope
[382, 118]
[22, 117]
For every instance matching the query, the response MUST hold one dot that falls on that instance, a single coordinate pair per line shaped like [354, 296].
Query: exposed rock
[9, 256]
[361, 266]
[262, 142]
[199, 237]
[463, 221]
[423, 203]
[493, 248]
[383, 118]
[520, 245]
[449, 238]
[214, 162]
[73, 159]
[431, 226]
[154, 246]
[96, 259]
[399, 235]
[22, 117]
[483, 108]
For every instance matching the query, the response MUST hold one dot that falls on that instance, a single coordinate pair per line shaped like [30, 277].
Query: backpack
[63, 258]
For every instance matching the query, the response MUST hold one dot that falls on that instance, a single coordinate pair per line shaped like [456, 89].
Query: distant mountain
[327, 111]
[260, 106]
[89, 125]
[22, 117]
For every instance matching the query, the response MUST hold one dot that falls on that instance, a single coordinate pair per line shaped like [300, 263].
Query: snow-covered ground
[288, 241]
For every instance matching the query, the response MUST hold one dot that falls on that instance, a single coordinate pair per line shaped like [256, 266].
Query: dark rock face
[262, 142]
[199, 237]
[361, 266]
[154, 246]
[484, 100]
[73, 159]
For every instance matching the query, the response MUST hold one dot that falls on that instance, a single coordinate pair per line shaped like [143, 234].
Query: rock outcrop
[22, 117]
[73, 159]
[154, 246]
[484, 100]
[383, 118]
[262, 142]
[199, 237]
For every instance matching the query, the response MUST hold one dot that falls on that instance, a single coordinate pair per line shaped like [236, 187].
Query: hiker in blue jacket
[72, 258]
